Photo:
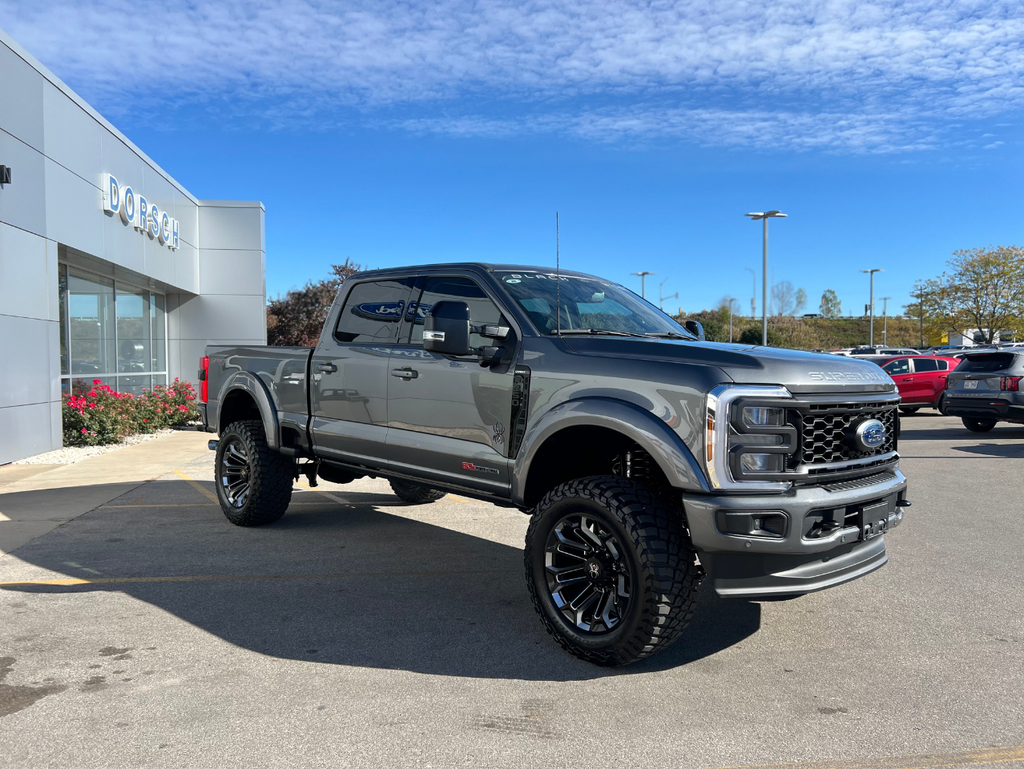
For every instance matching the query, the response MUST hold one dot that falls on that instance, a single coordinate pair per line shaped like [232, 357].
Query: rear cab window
[373, 312]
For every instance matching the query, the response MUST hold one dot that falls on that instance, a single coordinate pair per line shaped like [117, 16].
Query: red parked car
[921, 379]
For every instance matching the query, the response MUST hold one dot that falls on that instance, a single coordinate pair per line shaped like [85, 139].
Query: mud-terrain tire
[652, 561]
[978, 425]
[908, 410]
[415, 493]
[254, 482]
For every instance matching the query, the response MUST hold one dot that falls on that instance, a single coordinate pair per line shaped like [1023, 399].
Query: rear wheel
[415, 493]
[610, 569]
[254, 482]
[908, 410]
[978, 425]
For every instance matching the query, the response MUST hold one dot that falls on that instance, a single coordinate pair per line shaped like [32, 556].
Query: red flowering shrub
[99, 415]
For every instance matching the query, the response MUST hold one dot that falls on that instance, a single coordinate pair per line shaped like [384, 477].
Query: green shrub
[98, 415]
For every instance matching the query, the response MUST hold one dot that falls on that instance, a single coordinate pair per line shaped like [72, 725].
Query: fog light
[767, 524]
[762, 463]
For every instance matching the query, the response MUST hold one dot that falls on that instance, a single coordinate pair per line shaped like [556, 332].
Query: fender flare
[654, 436]
[257, 389]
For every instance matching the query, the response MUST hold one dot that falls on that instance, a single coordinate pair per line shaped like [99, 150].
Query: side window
[481, 309]
[925, 364]
[942, 364]
[373, 312]
[897, 367]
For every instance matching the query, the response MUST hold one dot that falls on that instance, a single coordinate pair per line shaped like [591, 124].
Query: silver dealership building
[109, 269]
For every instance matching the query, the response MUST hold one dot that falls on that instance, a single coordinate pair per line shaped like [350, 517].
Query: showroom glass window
[111, 331]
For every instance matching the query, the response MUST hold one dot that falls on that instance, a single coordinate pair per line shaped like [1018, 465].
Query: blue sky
[398, 132]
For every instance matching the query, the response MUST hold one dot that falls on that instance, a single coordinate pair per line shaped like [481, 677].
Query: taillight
[1011, 383]
[204, 376]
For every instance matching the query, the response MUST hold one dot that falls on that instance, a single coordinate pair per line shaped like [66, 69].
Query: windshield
[586, 303]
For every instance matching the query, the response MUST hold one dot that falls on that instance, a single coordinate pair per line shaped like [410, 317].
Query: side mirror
[696, 328]
[446, 329]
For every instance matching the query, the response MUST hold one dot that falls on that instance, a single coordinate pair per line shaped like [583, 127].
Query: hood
[796, 370]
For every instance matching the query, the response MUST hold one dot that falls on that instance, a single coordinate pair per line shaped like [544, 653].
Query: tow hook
[212, 445]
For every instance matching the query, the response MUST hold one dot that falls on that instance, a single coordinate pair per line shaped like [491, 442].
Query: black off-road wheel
[978, 425]
[254, 483]
[908, 410]
[415, 493]
[611, 569]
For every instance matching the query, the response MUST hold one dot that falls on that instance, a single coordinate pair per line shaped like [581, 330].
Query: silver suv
[985, 389]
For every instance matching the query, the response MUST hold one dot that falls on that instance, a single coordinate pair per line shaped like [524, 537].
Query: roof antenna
[558, 283]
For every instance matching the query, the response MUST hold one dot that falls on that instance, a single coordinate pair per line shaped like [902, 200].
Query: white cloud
[870, 76]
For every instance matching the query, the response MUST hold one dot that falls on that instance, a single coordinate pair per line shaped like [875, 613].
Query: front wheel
[978, 425]
[610, 569]
[415, 493]
[254, 482]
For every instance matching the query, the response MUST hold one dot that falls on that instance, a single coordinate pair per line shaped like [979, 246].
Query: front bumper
[742, 566]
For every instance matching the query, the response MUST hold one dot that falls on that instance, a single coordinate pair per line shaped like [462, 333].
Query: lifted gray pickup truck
[645, 456]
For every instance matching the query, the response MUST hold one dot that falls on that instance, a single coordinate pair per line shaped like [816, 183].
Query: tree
[787, 300]
[830, 306]
[983, 290]
[299, 316]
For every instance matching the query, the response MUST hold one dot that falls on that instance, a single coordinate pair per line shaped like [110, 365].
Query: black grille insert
[826, 430]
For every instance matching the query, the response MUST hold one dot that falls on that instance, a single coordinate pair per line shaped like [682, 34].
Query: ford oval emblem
[870, 434]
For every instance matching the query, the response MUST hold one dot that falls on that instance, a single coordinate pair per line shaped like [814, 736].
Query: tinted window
[994, 361]
[481, 309]
[925, 364]
[373, 312]
[584, 303]
[897, 367]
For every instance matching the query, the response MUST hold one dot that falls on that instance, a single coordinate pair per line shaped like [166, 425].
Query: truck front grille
[826, 430]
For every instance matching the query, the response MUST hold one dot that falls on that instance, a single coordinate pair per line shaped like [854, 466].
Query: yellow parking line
[196, 486]
[1002, 755]
[244, 577]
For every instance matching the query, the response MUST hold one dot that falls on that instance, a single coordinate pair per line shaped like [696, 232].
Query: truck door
[349, 373]
[448, 416]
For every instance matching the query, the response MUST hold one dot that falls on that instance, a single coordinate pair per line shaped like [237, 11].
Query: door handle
[326, 368]
[404, 373]
[907, 379]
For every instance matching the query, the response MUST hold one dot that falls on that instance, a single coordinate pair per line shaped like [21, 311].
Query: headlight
[764, 416]
[762, 463]
[748, 438]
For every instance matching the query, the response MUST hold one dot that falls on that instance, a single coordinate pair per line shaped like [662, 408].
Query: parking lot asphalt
[360, 631]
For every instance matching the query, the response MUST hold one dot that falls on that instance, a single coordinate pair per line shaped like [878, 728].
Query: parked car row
[982, 387]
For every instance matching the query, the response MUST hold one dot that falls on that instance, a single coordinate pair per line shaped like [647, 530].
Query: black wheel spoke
[587, 573]
[234, 473]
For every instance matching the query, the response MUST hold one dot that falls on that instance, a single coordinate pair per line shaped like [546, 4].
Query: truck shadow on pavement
[341, 584]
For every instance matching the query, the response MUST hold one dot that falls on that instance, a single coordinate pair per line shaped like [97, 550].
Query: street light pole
[765, 216]
[753, 292]
[643, 283]
[662, 298]
[731, 300]
[871, 306]
[885, 320]
[920, 313]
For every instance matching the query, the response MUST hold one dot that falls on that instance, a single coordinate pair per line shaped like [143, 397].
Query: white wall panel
[223, 317]
[72, 138]
[23, 201]
[26, 278]
[27, 431]
[25, 343]
[231, 226]
[232, 272]
[74, 210]
[21, 99]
